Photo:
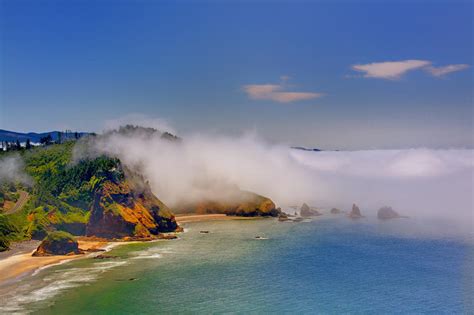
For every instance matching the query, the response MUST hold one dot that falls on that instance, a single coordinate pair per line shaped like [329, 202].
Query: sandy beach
[22, 264]
[19, 262]
[191, 217]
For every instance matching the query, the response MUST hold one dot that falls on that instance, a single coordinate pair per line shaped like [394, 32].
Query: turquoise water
[329, 265]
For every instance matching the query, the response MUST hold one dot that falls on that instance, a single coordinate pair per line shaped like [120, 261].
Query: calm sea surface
[328, 265]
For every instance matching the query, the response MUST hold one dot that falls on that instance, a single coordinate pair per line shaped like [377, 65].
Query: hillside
[72, 196]
[98, 196]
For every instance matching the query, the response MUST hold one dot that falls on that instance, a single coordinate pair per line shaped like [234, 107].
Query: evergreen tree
[28, 144]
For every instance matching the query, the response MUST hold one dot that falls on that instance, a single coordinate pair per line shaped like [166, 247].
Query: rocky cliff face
[128, 208]
[242, 203]
[58, 243]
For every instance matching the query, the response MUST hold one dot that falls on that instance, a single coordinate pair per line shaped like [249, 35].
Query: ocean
[326, 265]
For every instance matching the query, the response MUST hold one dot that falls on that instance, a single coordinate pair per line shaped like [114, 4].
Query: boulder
[386, 213]
[306, 211]
[355, 212]
[58, 243]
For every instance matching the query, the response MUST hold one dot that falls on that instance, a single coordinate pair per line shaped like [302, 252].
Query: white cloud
[392, 70]
[275, 92]
[441, 71]
[389, 69]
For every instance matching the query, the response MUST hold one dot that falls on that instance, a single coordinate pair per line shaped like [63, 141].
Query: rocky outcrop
[58, 243]
[306, 211]
[335, 211]
[355, 212]
[128, 208]
[386, 213]
[239, 203]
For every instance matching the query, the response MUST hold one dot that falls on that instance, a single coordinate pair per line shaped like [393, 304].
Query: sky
[327, 74]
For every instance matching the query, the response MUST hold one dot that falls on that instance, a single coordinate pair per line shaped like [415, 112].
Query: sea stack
[306, 211]
[386, 213]
[58, 243]
[335, 211]
[355, 212]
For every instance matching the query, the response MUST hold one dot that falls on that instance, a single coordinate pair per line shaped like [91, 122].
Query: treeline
[43, 141]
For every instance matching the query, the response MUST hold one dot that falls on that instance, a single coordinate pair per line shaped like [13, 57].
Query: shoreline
[192, 217]
[19, 263]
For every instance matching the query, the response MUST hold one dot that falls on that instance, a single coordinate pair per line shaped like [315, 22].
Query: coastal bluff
[126, 207]
[238, 203]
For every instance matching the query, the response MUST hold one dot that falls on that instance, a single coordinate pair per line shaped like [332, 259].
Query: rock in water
[386, 213]
[335, 211]
[306, 211]
[355, 212]
[58, 243]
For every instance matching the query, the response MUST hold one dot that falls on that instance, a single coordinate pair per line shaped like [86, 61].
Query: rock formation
[306, 211]
[58, 243]
[355, 212]
[128, 208]
[386, 213]
[335, 211]
[238, 203]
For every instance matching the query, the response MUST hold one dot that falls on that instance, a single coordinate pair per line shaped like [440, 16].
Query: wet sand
[19, 263]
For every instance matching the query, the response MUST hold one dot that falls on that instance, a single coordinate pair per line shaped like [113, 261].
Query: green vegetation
[62, 192]
[59, 236]
[7, 232]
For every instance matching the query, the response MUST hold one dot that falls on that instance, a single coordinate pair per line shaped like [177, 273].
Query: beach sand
[192, 217]
[18, 265]
[19, 262]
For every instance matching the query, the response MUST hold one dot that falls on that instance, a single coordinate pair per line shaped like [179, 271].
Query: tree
[59, 137]
[76, 135]
[18, 145]
[46, 140]
[28, 144]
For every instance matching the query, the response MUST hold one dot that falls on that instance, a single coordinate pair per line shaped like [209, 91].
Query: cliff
[128, 208]
[242, 203]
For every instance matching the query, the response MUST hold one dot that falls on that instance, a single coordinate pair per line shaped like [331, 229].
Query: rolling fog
[416, 182]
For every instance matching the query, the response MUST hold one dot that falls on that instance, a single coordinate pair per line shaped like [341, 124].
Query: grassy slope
[61, 194]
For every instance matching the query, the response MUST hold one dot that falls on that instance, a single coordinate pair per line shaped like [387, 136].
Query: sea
[325, 265]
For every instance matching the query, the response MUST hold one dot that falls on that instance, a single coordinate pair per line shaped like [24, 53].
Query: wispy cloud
[275, 92]
[389, 69]
[393, 70]
[441, 71]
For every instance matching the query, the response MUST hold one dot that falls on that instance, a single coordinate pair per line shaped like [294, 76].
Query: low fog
[416, 182]
[12, 170]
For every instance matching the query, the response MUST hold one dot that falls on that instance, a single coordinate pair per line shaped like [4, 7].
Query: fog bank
[415, 182]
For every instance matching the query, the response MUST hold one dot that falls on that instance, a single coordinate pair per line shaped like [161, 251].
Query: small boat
[204, 232]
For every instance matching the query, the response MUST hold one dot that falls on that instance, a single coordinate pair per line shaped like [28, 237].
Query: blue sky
[343, 74]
